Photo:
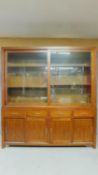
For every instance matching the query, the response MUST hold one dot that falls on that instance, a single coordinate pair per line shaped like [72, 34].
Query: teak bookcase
[49, 97]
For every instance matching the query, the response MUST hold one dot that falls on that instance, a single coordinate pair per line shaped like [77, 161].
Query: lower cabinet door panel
[61, 131]
[14, 130]
[36, 131]
[83, 130]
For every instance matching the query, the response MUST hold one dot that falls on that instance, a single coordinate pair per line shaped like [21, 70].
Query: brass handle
[37, 113]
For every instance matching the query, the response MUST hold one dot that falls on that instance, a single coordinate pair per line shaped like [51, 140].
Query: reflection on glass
[27, 77]
[70, 78]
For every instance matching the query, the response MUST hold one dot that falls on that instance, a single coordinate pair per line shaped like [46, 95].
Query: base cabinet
[42, 128]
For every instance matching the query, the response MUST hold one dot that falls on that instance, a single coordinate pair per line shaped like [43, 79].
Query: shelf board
[45, 65]
[70, 84]
[70, 65]
[25, 65]
[26, 103]
[27, 87]
[51, 85]
[27, 100]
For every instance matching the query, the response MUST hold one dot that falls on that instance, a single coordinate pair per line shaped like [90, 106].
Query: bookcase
[49, 97]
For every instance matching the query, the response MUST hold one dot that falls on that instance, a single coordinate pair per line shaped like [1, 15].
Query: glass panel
[70, 77]
[27, 77]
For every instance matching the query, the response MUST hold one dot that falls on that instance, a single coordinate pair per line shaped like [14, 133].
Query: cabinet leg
[94, 144]
[3, 145]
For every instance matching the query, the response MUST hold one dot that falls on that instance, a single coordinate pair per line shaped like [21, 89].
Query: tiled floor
[48, 161]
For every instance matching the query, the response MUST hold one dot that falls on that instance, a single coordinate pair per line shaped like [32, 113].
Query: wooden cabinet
[49, 97]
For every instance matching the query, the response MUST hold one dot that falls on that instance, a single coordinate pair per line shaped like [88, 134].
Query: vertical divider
[49, 96]
[49, 76]
[93, 77]
[5, 77]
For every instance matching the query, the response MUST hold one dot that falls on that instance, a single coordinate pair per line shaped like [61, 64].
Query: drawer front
[84, 113]
[14, 114]
[60, 113]
[37, 113]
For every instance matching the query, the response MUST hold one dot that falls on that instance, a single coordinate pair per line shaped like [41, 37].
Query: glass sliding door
[27, 77]
[70, 77]
[62, 78]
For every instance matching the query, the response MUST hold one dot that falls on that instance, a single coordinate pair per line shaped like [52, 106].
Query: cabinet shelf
[21, 99]
[27, 86]
[44, 65]
[71, 98]
[35, 86]
[70, 85]
[25, 65]
[70, 65]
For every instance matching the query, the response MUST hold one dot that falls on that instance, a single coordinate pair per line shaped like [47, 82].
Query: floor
[49, 161]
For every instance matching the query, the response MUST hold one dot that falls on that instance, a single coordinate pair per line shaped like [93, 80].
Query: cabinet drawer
[59, 113]
[37, 113]
[14, 114]
[84, 113]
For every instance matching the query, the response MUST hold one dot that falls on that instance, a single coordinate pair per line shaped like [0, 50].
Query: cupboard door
[14, 130]
[36, 130]
[70, 81]
[27, 77]
[61, 131]
[83, 130]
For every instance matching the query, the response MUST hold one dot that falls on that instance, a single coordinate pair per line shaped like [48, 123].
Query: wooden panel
[38, 42]
[83, 130]
[60, 113]
[84, 113]
[36, 131]
[39, 113]
[14, 130]
[61, 130]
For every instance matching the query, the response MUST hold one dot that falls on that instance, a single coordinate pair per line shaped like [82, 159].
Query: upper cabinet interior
[48, 77]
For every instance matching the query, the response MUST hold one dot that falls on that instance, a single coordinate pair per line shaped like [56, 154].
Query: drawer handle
[33, 114]
[37, 113]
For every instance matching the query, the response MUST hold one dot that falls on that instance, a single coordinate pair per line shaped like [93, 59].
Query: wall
[35, 42]
[97, 92]
[0, 93]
